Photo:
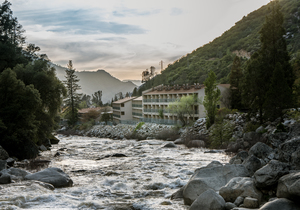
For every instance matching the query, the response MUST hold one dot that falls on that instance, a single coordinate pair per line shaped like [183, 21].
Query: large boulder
[240, 186]
[211, 178]
[4, 178]
[252, 163]
[54, 176]
[3, 154]
[3, 164]
[280, 204]
[208, 200]
[260, 150]
[196, 143]
[289, 187]
[16, 173]
[277, 138]
[295, 159]
[287, 148]
[239, 158]
[268, 176]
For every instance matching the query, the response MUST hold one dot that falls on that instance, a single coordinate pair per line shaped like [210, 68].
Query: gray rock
[295, 159]
[277, 138]
[211, 178]
[260, 150]
[170, 145]
[289, 187]
[250, 203]
[229, 205]
[260, 129]
[252, 163]
[239, 158]
[4, 178]
[240, 186]
[268, 176]
[196, 143]
[214, 164]
[287, 148]
[10, 162]
[178, 141]
[208, 200]
[43, 148]
[3, 164]
[280, 204]
[3, 154]
[239, 200]
[54, 176]
[16, 173]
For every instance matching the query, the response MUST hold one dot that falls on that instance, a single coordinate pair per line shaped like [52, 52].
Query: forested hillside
[242, 39]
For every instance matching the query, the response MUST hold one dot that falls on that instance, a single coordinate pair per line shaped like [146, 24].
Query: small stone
[166, 203]
[251, 203]
[238, 201]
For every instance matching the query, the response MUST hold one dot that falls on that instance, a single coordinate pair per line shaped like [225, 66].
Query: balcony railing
[117, 116]
[117, 108]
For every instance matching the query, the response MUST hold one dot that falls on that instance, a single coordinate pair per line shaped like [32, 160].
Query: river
[145, 179]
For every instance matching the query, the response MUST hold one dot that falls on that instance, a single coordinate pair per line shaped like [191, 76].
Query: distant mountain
[91, 82]
[242, 39]
[136, 82]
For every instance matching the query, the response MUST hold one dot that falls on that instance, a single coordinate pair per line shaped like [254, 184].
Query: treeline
[30, 93]
[242, 39]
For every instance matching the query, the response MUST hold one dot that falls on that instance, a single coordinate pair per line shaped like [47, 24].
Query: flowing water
[144, 179]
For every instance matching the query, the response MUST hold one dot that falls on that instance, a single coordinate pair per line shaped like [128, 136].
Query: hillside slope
[242, 39]
[91, 82]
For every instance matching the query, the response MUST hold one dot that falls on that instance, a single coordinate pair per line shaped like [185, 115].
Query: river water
[144, 179]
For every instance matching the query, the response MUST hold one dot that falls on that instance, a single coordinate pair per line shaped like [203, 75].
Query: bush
[221, 134]
[251, 126]
[139, 125]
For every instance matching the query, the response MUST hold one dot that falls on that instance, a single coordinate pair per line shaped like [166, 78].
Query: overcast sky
[125, 37]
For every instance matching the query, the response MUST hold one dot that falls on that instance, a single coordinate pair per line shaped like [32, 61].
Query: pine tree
[235, 81]
[134, 93]
[211, 98]
[264, 66]
[73, 98]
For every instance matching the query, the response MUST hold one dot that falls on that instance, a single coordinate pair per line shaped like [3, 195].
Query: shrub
[251, 126]
[139, 125]
[221, 134]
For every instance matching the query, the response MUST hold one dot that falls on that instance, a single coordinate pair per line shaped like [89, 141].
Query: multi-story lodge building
[122, 110]
[152, 105]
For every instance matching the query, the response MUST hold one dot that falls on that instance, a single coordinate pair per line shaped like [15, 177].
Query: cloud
[76, 22]
[176, 11]
[125, 12]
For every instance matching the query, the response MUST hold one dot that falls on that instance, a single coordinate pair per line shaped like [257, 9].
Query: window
[122, 113]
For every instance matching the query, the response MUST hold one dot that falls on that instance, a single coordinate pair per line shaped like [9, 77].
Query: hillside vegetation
[242, 39]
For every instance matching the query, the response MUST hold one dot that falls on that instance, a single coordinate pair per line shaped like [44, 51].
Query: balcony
[116, 108]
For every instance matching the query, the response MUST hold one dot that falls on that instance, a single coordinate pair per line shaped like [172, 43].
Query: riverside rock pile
[121, 131]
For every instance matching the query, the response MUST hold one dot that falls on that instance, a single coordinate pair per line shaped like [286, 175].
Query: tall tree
[265, 66]
[235, 80]
[211, 98]
[19, 105]
[135, 92]
[73, 97]
[184, 106]
[97, 98]
[51, 91]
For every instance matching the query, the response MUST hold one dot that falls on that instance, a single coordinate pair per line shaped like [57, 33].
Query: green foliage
[219, 54]
[221, 133]
[251, 126]
[161, 113]
[235, 80]
[51, 91]
[139, 125]
[269, 77]
[184, 107]
[19, 105]
[96, 98]
[280, 128]
[211, 99]
[73, 98]
[105, 117]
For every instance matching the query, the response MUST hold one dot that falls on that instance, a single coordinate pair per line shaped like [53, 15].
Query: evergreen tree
[73, 98]
[135, 93]
[264, 66]
[19, 105]
[211, 98]
[97, 98]
[51, 90]
[235, 81]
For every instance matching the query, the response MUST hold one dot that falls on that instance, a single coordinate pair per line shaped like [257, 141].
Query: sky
[125, 37]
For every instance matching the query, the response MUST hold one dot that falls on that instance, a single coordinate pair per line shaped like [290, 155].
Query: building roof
[86, 110]
[138, 98]
[123, 100]
[192, 89]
